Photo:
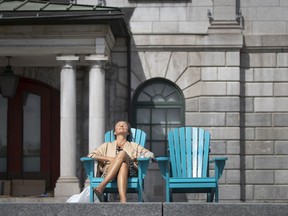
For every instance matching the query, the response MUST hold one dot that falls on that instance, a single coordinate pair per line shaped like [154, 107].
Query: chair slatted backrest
[189, 151]
[137, 136]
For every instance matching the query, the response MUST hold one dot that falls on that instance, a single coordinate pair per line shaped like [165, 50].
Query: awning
[29, 12]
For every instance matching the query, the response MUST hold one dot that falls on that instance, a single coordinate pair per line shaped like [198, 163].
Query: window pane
[148, 145]
[146, 129]
[158, 132]
[173, 116]
[168, 90]
[31, 164]
[3, 164]
[173, 97]
[143, 116]
[158, 116]
[144, 97]
[158, 98]
[149, 90]
[31, 132]
[3, 133]
[170, 94]
[159, 149]
[158, 88]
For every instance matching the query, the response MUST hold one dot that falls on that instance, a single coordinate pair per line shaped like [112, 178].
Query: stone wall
[233, 73]
[264, 82]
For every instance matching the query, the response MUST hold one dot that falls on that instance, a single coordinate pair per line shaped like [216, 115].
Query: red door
[33, 133]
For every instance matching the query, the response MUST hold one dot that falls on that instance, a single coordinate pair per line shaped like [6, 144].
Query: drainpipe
[129, 77]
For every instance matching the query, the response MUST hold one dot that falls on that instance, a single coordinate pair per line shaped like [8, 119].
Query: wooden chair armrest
[163, 163]
[89, 166]
[87, 159]
[218, 159]
[143, 164]
[160, 159]
[219, 165]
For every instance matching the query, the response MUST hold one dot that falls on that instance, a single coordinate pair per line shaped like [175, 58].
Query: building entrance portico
[67, 49]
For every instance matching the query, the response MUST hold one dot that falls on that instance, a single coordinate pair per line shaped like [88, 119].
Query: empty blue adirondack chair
[135, 184]
[189, 164]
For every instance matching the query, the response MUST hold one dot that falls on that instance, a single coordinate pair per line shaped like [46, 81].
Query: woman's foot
[123, 200]
[99, 193]
[98, 190]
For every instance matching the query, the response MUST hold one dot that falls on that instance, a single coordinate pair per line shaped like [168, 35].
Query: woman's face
[121, 127]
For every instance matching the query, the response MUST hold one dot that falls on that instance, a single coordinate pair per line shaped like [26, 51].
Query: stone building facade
[229, 58]
[228, 62]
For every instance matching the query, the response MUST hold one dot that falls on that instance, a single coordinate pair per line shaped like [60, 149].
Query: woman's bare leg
[122, 179]
[113, 169]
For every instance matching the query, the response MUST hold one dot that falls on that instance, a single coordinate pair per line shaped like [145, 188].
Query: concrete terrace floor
[56, 206]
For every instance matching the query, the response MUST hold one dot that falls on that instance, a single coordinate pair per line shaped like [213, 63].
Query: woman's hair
[129, 129]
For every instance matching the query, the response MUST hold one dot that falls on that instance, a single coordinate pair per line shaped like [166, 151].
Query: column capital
[97, 60]
[67, 59]
[100, 58]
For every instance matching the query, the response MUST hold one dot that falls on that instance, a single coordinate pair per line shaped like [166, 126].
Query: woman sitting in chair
[117, 159]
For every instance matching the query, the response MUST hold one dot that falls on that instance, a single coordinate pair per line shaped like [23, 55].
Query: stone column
[68, 183]
[96, 100]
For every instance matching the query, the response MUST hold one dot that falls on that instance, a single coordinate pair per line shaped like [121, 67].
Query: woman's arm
[100, 153]
[102, 158]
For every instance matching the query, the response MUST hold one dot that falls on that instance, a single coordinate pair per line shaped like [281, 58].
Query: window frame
[151, 105]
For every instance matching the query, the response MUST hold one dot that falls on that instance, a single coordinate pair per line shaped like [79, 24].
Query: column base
[66, 187]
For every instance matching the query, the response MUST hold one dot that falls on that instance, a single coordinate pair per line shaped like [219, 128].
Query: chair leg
[208, 197]
[105, 197]
[212, 195]
[216, 194]
[168, 194]
[91, 195]
[140, 197]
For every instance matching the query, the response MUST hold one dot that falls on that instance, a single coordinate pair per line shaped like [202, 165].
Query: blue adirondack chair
[135, 184]
[189, 164]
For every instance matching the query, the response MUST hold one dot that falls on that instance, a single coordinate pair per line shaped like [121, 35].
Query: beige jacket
[109, 149]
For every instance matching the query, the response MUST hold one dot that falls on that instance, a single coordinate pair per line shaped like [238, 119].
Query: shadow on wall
[243, 58]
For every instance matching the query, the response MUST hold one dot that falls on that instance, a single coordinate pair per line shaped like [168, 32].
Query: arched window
[158, 106]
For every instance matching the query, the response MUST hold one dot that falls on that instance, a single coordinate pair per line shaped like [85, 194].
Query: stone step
[143, 209]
